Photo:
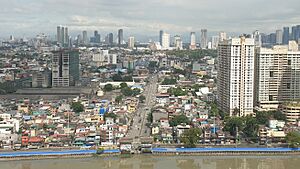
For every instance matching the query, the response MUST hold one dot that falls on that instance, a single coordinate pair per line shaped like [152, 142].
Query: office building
[222, 36]
[203, 39]
[279, 36]
[161, 32]
[277, 75]
[62, 36]
[214, 42]
[66, 37]
[165, 41]
[236, 76]
[131, 42]
[286, 35]
[177, 42]
[65, 68]
[193, 41]
[120, 36]
[41, 79]
[84, 37]
[58, 34]
[257, 38]
[96, 38]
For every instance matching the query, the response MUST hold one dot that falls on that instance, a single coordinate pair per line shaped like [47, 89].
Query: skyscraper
[236, 76]
[286, 35]
[294, 33]
[177, 42]
[62, 41]
[84, 37]
[161, 32]
[277, 77]
[110, 38]
[279, 36]
[65, 68]
[97, 37]
[58, 34]
[120, 36]
[214, 42]
[165, 41]
[131, 42]
[193, 41]
[257, 38]
[66, 37]
[203, 38]
[222, 36]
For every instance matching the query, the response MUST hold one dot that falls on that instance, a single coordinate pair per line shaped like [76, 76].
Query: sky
[146, 17]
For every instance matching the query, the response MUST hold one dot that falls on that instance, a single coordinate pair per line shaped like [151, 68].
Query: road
[139, 128]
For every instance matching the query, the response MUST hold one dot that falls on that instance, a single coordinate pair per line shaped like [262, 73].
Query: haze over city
[145, 18]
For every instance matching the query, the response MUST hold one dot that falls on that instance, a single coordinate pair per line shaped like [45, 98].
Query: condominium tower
[277, 75]
[236, 76]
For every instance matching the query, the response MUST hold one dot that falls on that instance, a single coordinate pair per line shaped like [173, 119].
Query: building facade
[277, 75]
[236, 76]
[204, 40]
[193, 41]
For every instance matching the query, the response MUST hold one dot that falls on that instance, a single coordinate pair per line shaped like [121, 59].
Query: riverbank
[35, 155]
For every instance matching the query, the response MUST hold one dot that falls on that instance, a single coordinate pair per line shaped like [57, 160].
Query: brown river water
[160, 162]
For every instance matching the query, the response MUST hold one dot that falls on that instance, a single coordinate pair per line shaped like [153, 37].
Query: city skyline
[145, 18]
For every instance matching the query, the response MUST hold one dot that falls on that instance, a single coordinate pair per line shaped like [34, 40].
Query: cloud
[146, 17]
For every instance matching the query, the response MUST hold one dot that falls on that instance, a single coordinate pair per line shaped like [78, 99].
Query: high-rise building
[279, 36]
[161, 32]
[131, 42]
[236, 76]
[62, 41]
[65, 68]
[66, 37]
[277, 76]
[222, 36]
[58, 34]
[165, 41]
[203, 38]
[294, 32]
[84, 37]
[120, 36]
[111, 38]
[177, 42]
[193, 41]
[257, 38]
[96, 38]
[286, 35]
[214, 42]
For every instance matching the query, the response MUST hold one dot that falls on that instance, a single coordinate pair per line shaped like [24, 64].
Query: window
[271, 74]
[270, 98]
[289, 62]
[288, 85]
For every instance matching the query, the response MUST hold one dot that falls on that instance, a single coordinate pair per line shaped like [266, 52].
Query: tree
[177, 91]
[169, 81]
[77, 107]
[135, 91]
[127, 79]
[110, 115]
[118, 99]
[179, 120]
[262, 117]
[123, 85]
[191, 137]
[152, 64]
[231, 125]
[142, 98]
[279, 115]
[293, 139]
[126, 91]
[108, 87]
[150, 117]
[251, 127]
[117, 77]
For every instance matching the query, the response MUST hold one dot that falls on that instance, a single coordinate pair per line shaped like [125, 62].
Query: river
[160, 162]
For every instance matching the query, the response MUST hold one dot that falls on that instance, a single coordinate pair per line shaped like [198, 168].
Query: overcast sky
[137, 17]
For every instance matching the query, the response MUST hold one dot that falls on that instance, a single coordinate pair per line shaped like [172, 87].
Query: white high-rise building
[214, 42]
[177, 42]
[279, 36]
[257, 38]
[165, 41]
[222, 36]
[277, 77]
[193, 41]
[131, 42]
[236, 76]
[204, 40]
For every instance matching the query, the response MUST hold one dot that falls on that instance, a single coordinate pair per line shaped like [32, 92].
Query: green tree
[110, 115]
[150, 117]
[135, 91]
[127, 79]
[117, 77]
[178, 120]
[142, 98]
[108, 87]
[118, 99]
[279, 115]
[232, 124]
[126, 91]
[262, 117]
[123, 85]
[152, 64]
[77, 107]
[251, 127]
[169, 81]
[177, 91]
[191, 137]
[293, 139]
